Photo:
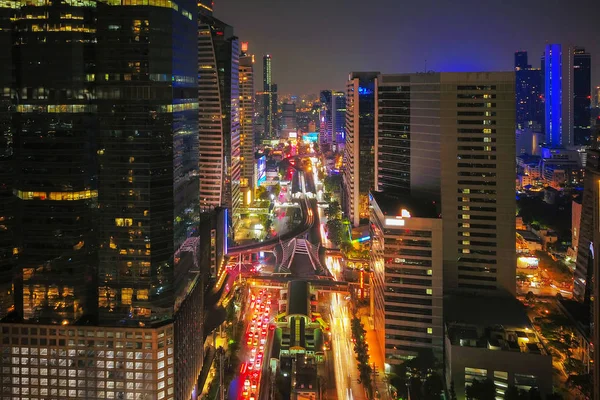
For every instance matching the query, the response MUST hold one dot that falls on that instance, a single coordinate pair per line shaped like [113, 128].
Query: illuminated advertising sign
[311, 137]
[261, 170]
[527, 262]
[394, 222]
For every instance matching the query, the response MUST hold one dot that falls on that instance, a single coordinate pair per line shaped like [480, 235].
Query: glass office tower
[103, 120]
[56, 183]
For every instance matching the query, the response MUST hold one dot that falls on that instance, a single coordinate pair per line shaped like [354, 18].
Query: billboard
[261, 170]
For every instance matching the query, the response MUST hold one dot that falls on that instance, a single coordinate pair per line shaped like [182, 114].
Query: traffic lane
[265, 384]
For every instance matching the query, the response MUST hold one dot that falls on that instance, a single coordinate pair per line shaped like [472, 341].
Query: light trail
[346, 372]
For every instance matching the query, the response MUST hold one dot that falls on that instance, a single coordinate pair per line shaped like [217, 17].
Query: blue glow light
[363, 91]
[226, 230]
[553, 95]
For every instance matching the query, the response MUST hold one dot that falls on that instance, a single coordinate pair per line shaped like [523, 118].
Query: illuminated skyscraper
[567, 92]
[332, 130]
[358, 162]
[529, 95]
[269, 99]
[7, 200]
[219, 121]
[105, 134]
[267, 73]
[247, 108]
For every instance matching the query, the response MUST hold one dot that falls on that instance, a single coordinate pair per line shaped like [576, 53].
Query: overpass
[308, 214]
[281, 281]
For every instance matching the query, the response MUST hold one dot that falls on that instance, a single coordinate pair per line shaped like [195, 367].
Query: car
[271, 327]
[264, 331]
[251, 359]
[253, 396]
[262, 341]
[253, 351]
[259, 356]
[257, 365]
[245, 393]
[249, 342]
[253, 385]
[256, 342]
[247, 383]
[261, 348]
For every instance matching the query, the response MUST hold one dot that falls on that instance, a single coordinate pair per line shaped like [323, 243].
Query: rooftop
[306, 379]
[298, 298]
[529, 236]
[392, 204]
[495, 323]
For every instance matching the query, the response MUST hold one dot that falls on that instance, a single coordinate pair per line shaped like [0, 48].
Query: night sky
[315, 43]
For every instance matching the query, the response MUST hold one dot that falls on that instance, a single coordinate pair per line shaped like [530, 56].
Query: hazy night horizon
[313, 43]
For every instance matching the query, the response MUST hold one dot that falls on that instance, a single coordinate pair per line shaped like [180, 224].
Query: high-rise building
[529, 95]
[567, 95]
[358, 159]
[582, 90]
[584, 270]
[451, 137]
[269, 98]
[247, 119]
[107, 200]
[288, 118]
[332, 129]
[219, 127]
[7, 200]
[267, 73]
[407, 283]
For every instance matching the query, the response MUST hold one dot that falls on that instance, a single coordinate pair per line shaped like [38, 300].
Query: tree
[277, 190]
[481, 390]
[333, 211]
[262, 193]
[334, 231]
[332, 183]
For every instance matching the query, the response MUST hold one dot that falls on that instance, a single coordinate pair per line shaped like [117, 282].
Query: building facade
[567, 95]
[332, 128]
[407, 276]
[220, 153]
[529, 94]
[492, 339]
[104, 122]
[269, 99]
[583, 289]
[450, 137]
[358, 161]
[247, 120]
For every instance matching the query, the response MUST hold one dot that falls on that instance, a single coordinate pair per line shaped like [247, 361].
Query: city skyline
[300, 37]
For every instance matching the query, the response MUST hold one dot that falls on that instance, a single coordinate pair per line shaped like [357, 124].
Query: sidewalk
[376, 359]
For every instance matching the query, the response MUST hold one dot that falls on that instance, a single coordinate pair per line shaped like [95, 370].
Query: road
[346, 371]
[255, 351]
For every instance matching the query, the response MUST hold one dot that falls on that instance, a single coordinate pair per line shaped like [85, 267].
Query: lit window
[126, 295]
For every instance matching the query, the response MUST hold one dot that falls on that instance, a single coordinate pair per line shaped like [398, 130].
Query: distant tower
[567, 92]
[247, 107]
[529, 96]
[269, 98]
